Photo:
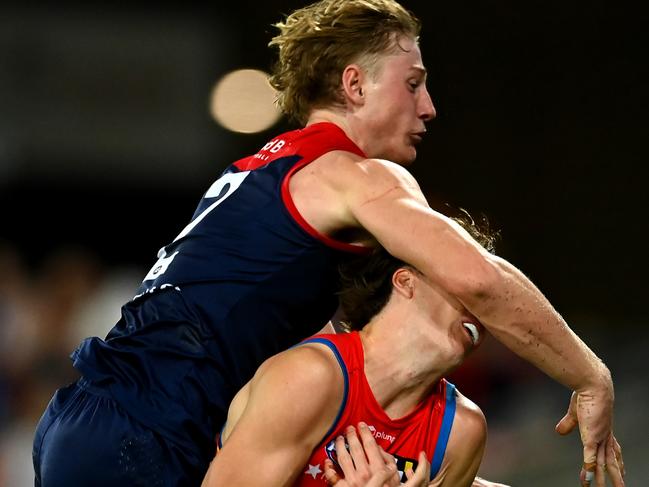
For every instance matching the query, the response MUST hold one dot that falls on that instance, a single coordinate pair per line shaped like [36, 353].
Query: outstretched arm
[386, 200]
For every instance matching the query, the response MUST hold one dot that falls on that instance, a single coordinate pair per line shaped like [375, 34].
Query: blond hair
[317, 42]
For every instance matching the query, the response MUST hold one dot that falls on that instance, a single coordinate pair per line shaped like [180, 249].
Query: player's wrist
[598, 384]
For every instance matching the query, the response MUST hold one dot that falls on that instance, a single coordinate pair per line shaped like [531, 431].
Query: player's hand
[593, 412]
[362, 461]
[421, 476]
[365, 464]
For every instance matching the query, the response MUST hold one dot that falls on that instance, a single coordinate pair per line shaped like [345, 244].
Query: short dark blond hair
[317, 42]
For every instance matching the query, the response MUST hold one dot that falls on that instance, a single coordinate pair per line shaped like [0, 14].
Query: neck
[402, 364]
[342, 120]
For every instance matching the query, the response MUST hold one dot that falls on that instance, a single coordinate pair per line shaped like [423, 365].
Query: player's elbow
[477, 285]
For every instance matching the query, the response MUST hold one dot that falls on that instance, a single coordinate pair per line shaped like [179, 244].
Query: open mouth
[473, 332]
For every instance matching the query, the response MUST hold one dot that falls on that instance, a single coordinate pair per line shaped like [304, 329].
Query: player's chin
[402, 152]
[407, 156]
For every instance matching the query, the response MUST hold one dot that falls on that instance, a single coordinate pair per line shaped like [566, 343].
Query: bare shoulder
[308, 376]
[296, 371]
[344, 170]
[294, 398]
[353, 180]
[290, 404]
[469, 413]
[299, 368]
[328, 192]
[471, 422]
[468, 436]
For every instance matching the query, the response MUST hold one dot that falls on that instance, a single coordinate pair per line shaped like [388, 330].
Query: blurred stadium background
[111, 128]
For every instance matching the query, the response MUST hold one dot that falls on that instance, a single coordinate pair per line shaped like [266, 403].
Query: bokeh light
[243, 101]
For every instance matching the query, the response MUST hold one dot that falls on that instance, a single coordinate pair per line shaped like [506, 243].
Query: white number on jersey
[221, 189]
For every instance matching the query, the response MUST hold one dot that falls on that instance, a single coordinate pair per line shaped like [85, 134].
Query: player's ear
[353, 78]
[403, 282]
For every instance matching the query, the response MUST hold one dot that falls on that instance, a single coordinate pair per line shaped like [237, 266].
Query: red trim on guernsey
[249, 163]
[242, 164]
[328, 137]
[336, 139]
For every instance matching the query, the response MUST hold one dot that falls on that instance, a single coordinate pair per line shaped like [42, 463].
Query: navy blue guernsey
[245, 279]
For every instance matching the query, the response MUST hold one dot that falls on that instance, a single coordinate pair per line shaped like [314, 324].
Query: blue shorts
[85, 438]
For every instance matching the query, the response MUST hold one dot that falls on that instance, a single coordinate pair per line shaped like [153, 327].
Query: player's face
[454, 328]
[397, 104]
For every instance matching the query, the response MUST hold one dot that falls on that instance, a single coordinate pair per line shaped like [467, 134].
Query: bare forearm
[505, 301]
[518, 315]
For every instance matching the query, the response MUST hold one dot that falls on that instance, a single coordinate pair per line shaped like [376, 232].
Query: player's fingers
[371, 448]
[614, 467]
[344, 459]
[421, 475]
[355, 447]
[615, 474]
[600, 469]
[569, 421]
[566, 424]
[362, 470]
[587, 474]
[387, 458]
[384, 476]
[618, 454]
[330, 474]
[391, 464]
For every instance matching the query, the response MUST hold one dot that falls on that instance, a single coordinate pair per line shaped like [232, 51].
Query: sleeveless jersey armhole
[343, 369]
[306, 226]
[445, 430]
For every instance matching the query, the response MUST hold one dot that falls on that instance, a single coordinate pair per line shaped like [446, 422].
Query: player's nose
[427, 110]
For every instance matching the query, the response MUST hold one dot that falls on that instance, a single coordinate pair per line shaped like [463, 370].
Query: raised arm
[385, 199]
[291, 402]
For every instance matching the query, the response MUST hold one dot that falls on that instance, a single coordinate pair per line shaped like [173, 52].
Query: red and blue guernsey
[247, 278]
[426, 428]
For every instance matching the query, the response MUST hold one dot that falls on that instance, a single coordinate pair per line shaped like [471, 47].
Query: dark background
[106, 142]
[105, 137]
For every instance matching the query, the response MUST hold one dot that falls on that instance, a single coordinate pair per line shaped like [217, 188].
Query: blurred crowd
[48, 307]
